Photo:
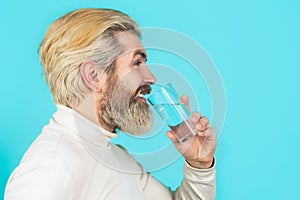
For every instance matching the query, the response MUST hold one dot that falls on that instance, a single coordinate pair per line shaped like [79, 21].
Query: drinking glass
[166, 103]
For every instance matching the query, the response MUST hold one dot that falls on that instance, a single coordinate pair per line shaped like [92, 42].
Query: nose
[147, 75]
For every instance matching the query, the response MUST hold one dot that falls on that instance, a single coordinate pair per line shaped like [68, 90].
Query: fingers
[202, 124]
[185, 100]
[171, 136]
[208, 133]
[195, 116]
[199, 123]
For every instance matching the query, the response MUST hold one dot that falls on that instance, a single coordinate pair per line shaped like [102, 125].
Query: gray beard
[118, 109]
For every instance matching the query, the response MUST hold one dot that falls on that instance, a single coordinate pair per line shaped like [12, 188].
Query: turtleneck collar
[81, 126]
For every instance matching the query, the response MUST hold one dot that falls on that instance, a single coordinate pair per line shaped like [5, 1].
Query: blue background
[255, 45]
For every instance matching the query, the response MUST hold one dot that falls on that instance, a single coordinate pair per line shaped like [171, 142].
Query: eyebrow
[141, 53]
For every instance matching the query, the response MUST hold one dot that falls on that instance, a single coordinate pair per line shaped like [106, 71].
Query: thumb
[185, 100]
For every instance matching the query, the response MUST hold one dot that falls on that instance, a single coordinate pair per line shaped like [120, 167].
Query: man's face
[122, 105]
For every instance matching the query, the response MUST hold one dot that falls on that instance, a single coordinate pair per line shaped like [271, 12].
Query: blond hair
[80, 36]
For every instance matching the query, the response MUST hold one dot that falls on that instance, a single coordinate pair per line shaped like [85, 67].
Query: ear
[91, 74]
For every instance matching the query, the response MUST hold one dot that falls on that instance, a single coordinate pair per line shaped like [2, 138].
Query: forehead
[130, 42]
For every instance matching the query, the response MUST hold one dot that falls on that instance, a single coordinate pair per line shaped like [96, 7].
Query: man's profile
[95, 67]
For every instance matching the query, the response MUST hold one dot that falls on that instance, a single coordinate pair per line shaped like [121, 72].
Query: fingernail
[194, 118]
[198, 126]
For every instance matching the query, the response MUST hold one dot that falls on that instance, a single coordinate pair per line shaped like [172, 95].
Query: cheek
[131, 79]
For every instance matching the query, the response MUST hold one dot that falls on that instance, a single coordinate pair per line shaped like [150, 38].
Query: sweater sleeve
[44, 179]
[198, 184]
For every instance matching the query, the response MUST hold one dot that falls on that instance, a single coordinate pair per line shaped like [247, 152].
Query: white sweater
[74, 159]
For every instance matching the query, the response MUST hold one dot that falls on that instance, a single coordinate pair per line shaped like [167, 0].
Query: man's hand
[199, 150]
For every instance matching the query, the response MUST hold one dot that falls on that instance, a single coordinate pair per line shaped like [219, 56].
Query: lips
[141, 91]
[142, 99]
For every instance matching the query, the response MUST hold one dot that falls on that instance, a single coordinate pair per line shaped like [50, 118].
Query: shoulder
[39, 179]
[60, 154]
[53, 164]
[55, 146]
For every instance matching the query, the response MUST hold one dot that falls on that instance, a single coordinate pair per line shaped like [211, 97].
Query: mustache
[144, 89]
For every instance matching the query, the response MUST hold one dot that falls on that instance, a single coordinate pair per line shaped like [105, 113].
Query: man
[94, 64]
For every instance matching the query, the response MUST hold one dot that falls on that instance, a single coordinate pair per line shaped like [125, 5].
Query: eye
[138, 63]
